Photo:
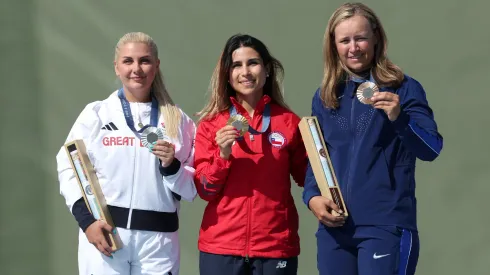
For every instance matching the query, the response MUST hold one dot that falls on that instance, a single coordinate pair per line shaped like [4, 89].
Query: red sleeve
[298, 160]
[211, 170]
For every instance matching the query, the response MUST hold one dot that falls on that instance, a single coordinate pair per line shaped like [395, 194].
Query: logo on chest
[277, 140]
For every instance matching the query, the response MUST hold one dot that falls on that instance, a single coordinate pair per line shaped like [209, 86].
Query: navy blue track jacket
[374, 158]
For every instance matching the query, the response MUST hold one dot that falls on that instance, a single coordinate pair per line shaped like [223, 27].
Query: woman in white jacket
[142, 185]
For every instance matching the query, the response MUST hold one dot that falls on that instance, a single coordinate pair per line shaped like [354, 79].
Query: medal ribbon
[129, 116]
[362, 80]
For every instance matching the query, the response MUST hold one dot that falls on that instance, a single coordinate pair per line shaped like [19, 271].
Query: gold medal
[365, 91]
[239, 122]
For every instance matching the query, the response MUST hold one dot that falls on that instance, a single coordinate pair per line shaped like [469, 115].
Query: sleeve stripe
[429, 140]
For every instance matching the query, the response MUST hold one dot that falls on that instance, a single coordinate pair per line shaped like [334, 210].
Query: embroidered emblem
[277, 139]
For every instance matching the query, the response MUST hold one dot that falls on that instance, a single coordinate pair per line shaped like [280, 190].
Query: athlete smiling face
[136, 67]
[355, 41]
[247, 73]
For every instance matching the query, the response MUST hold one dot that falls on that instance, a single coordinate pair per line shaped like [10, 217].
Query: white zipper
[132, 183]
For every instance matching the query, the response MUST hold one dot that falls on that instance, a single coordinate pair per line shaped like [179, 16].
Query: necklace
[140, 124]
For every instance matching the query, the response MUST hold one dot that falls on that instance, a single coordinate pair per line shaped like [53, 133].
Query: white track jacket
[128, 173]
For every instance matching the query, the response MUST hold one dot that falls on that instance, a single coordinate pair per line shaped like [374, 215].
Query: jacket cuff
[221, 162]
[308, 194]
[401, 122]
[170, 170]
[82, 215]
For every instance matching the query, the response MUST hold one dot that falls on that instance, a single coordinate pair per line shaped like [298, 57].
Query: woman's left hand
[165, 151]
[388, 102]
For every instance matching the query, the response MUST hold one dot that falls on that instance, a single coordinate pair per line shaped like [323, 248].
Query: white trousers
[143, 253]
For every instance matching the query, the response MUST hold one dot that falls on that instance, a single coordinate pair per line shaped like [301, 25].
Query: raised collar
[259, 109]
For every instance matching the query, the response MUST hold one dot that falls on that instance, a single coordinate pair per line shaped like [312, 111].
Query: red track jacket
[250, 210]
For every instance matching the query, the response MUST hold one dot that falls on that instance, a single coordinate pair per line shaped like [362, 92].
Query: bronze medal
[365, 91]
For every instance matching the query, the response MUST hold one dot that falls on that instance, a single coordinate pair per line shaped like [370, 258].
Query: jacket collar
[259, 109]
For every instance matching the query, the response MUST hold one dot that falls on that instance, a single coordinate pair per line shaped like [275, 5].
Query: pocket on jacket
[403, 179]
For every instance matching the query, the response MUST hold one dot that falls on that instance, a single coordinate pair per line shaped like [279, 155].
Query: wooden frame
[90, 187]
[320, 162]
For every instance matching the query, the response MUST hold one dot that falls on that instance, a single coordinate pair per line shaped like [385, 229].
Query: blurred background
[56, 56]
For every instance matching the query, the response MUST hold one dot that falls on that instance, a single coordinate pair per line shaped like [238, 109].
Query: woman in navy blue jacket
[373, 141]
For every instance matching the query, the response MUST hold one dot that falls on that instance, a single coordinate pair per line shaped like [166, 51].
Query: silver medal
[152, 134]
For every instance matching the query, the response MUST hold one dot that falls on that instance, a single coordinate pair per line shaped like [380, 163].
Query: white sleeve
[86, 125]
[182, 182]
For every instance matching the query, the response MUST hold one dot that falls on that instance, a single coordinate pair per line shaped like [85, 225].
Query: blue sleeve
[82, 215]
[172, 169]
[415, 125]
[311, 189]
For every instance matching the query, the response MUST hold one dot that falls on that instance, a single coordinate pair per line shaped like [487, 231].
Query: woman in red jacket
[247, 146]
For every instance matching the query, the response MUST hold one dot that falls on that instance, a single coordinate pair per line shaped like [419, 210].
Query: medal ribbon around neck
[129, 116]
[266, 120]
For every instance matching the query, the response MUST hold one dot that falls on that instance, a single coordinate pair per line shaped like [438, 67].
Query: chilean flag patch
[277, 139]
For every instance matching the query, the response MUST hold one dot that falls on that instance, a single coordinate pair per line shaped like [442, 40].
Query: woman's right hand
[225, 138]
[96, 234]
[322, 209]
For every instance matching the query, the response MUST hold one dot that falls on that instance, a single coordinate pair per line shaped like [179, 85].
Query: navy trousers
[367, 250]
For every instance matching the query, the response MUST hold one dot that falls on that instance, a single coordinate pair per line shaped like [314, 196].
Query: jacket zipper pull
[246, 259]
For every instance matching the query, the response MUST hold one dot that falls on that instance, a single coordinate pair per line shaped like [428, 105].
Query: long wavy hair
[221, 90]
[171, 113]
[385, 72]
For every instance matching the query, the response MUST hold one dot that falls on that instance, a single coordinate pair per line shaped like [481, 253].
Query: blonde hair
[170, 113]
[220, 88]
[385, 72]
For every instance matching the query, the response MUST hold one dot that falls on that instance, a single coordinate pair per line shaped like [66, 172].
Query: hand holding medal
[389, 103]
[236, 126]
[152, 137]
[368, 93]
[225, 137]
[164, 150]
[155, 139]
